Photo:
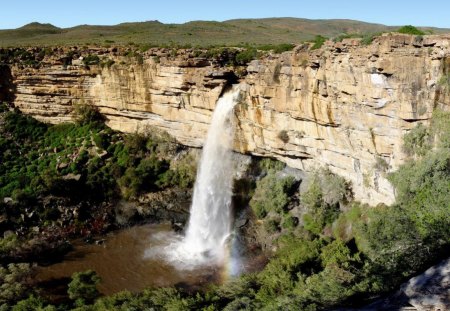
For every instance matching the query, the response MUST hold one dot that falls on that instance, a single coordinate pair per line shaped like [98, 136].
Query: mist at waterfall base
[209, 240]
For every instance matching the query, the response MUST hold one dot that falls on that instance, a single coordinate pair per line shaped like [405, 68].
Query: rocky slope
[428, 291]
[345, 106]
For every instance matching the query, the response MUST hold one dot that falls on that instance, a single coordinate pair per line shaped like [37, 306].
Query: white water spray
[210, 220]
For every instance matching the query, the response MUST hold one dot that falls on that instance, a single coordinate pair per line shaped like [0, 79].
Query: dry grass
[196, 33]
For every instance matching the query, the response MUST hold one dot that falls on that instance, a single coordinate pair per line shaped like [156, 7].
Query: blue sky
[16, 13]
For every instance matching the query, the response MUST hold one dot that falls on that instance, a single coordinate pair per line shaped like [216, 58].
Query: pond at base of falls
[122, 264]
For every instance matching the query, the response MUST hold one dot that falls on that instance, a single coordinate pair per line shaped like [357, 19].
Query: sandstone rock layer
[345, 106]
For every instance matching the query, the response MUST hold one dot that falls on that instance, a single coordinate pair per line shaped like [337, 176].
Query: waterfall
[210, 218]
[208, 235]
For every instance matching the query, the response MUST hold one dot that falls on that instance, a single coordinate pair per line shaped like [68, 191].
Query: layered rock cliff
[345, 106]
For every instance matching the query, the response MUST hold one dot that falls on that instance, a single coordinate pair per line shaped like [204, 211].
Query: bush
[323, 198]
[3, 107]
[417, 141]
[271, 194]
[440, 128]
[13, 282]
[32, 303]
[294, 257]
[246, 56]
[368, 39]
[107, 63]
[91, 60]
[272, 225]
[181, 174]
[8, 243]
[290, 222]
[411, 30]
[83, 287]
[267, 164]
[280, 48]
[88, 115]
[423, 189]
[318, 42]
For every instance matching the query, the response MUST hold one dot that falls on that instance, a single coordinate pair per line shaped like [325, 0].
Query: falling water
[210, 221]
[208, 233]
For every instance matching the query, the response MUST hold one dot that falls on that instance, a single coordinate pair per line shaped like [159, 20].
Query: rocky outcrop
[429, 291]
[345, 106]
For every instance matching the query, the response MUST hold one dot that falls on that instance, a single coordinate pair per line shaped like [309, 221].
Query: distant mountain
[195, 33]
[38, 26]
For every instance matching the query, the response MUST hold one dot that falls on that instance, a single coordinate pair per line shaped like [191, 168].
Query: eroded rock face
[344, 106]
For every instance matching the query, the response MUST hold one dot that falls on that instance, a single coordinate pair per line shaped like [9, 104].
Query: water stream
[208, 233]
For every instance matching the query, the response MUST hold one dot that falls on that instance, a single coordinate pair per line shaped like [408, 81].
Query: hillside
[203, 33]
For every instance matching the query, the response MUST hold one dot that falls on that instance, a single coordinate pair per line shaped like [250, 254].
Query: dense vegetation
[330, 250]
[58, 181]
[39, 159]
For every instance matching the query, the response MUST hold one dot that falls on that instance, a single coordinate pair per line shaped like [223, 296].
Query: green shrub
[3, 107]
[295, 256]
[181, 174]
[342, 227]
[289, 222]
[246, 56]
[271, 194]
[101, 140]
[322, 200]
[83, 287]
[8, 243]
[417, 141]
[23, 127]
[411, 30]
[267, 164]
[368, 39]
[440, 128]
[272, 225]
[107, 63]
[14, 280]
[280, 48]
[32, 303]
[423, 188]
[318, 42]
[91, 60]
[389, 237]
[88, 115]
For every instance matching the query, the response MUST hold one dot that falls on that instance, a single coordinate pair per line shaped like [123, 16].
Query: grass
[268, 31]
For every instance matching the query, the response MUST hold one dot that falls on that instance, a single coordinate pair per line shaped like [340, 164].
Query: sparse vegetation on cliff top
[198, 33]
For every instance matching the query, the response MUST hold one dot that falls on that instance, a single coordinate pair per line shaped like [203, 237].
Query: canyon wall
[345, 106]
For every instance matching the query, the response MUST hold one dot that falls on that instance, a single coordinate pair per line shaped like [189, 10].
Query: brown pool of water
[121, 263]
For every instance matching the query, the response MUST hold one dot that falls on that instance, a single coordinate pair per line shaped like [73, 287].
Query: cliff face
[344, 106]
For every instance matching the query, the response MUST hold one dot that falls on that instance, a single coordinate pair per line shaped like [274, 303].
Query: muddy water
[121, 263]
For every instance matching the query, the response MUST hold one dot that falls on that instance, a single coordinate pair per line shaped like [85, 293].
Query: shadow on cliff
[231, 79]
[7, 86]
